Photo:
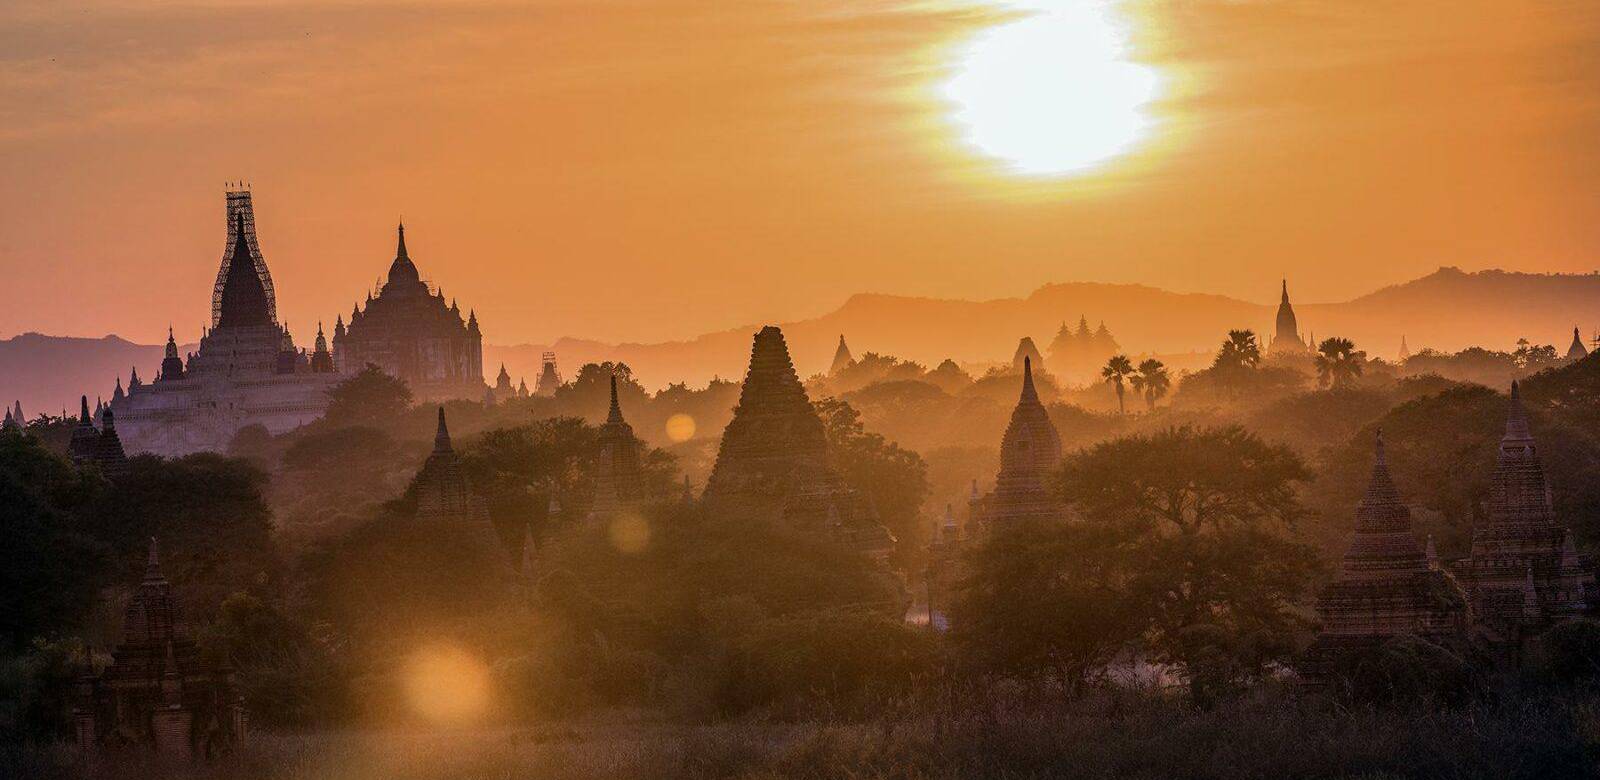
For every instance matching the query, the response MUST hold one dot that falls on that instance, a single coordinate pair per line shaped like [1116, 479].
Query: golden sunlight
[446, 685]
[1052, 92]
[680, 427]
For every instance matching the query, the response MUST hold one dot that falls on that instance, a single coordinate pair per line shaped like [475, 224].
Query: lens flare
[1053, 92]
[680, 427]
[629, 533]
[446, 685]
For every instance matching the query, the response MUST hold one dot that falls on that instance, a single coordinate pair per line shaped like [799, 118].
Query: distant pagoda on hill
[773, 459]
[842, 359]
[1286, 338]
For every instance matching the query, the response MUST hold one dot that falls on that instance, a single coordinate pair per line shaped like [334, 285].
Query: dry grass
[993, 735]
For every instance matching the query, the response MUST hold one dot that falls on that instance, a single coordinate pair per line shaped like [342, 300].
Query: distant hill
[1448, 309]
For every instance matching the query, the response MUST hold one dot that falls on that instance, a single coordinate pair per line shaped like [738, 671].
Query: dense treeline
[1202, 520]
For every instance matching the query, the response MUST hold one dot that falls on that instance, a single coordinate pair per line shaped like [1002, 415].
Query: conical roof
[1577, 351]
[403, 275]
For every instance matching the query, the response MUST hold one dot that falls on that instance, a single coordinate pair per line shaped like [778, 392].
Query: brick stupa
[1525, 573]
[1387, 586]
[158, 691]
[1029, 452]
[773, 459]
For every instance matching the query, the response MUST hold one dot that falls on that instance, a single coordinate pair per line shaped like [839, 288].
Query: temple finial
[83, 410]
[1028, 391]
[400, 249]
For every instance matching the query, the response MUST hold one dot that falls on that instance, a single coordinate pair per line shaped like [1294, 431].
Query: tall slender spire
[400, 247]
[243, 300]
[615, 413]
[1028, 391]
[441, 437]
[1285, 298]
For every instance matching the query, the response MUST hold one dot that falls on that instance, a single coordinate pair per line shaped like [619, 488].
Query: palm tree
[1117, 369]
[1240, 350]
[1338, 362]
[1152, 381]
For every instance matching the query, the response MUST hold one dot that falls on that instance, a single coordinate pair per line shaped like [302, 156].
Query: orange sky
[653, 169]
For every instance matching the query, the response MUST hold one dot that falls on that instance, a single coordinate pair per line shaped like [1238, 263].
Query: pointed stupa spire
[1285, 298]
[441, 437]
[83, 411]
[1029, 394]
[1577, 351]
[1516, 417]
[400, 242]
[614, 415]
[152, 563]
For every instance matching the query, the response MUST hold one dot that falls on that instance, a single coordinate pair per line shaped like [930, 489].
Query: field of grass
[1009, 734]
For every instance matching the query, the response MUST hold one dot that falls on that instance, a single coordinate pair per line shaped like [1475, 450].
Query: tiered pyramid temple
[157, 690]
[1029, 452]
[773, 460]
[411, 333]
[1388, 585]
[247, 370]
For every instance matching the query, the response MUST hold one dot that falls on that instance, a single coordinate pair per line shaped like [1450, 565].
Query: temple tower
[549, 377]
[617, 478]
[1029, 452]
[158, 691]
[1520, 541]
[773, 459]
[1026, 353]
[1287, 335]
[1577, 351]
[1388, 585]
[441, 488]
[841, 358]
[242, 233]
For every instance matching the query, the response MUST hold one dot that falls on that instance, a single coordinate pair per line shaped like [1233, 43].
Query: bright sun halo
[1052, 92]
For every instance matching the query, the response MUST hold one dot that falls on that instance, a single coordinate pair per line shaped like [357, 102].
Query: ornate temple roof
[403, 275]
[244, 301]
[441, 488]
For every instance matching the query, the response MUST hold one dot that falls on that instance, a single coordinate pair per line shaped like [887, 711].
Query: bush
[1571, 652]
[1407, 669]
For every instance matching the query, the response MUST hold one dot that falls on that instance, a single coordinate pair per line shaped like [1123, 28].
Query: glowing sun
[1052, 92]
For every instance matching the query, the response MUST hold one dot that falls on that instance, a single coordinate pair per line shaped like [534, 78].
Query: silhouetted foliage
[371, 397]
